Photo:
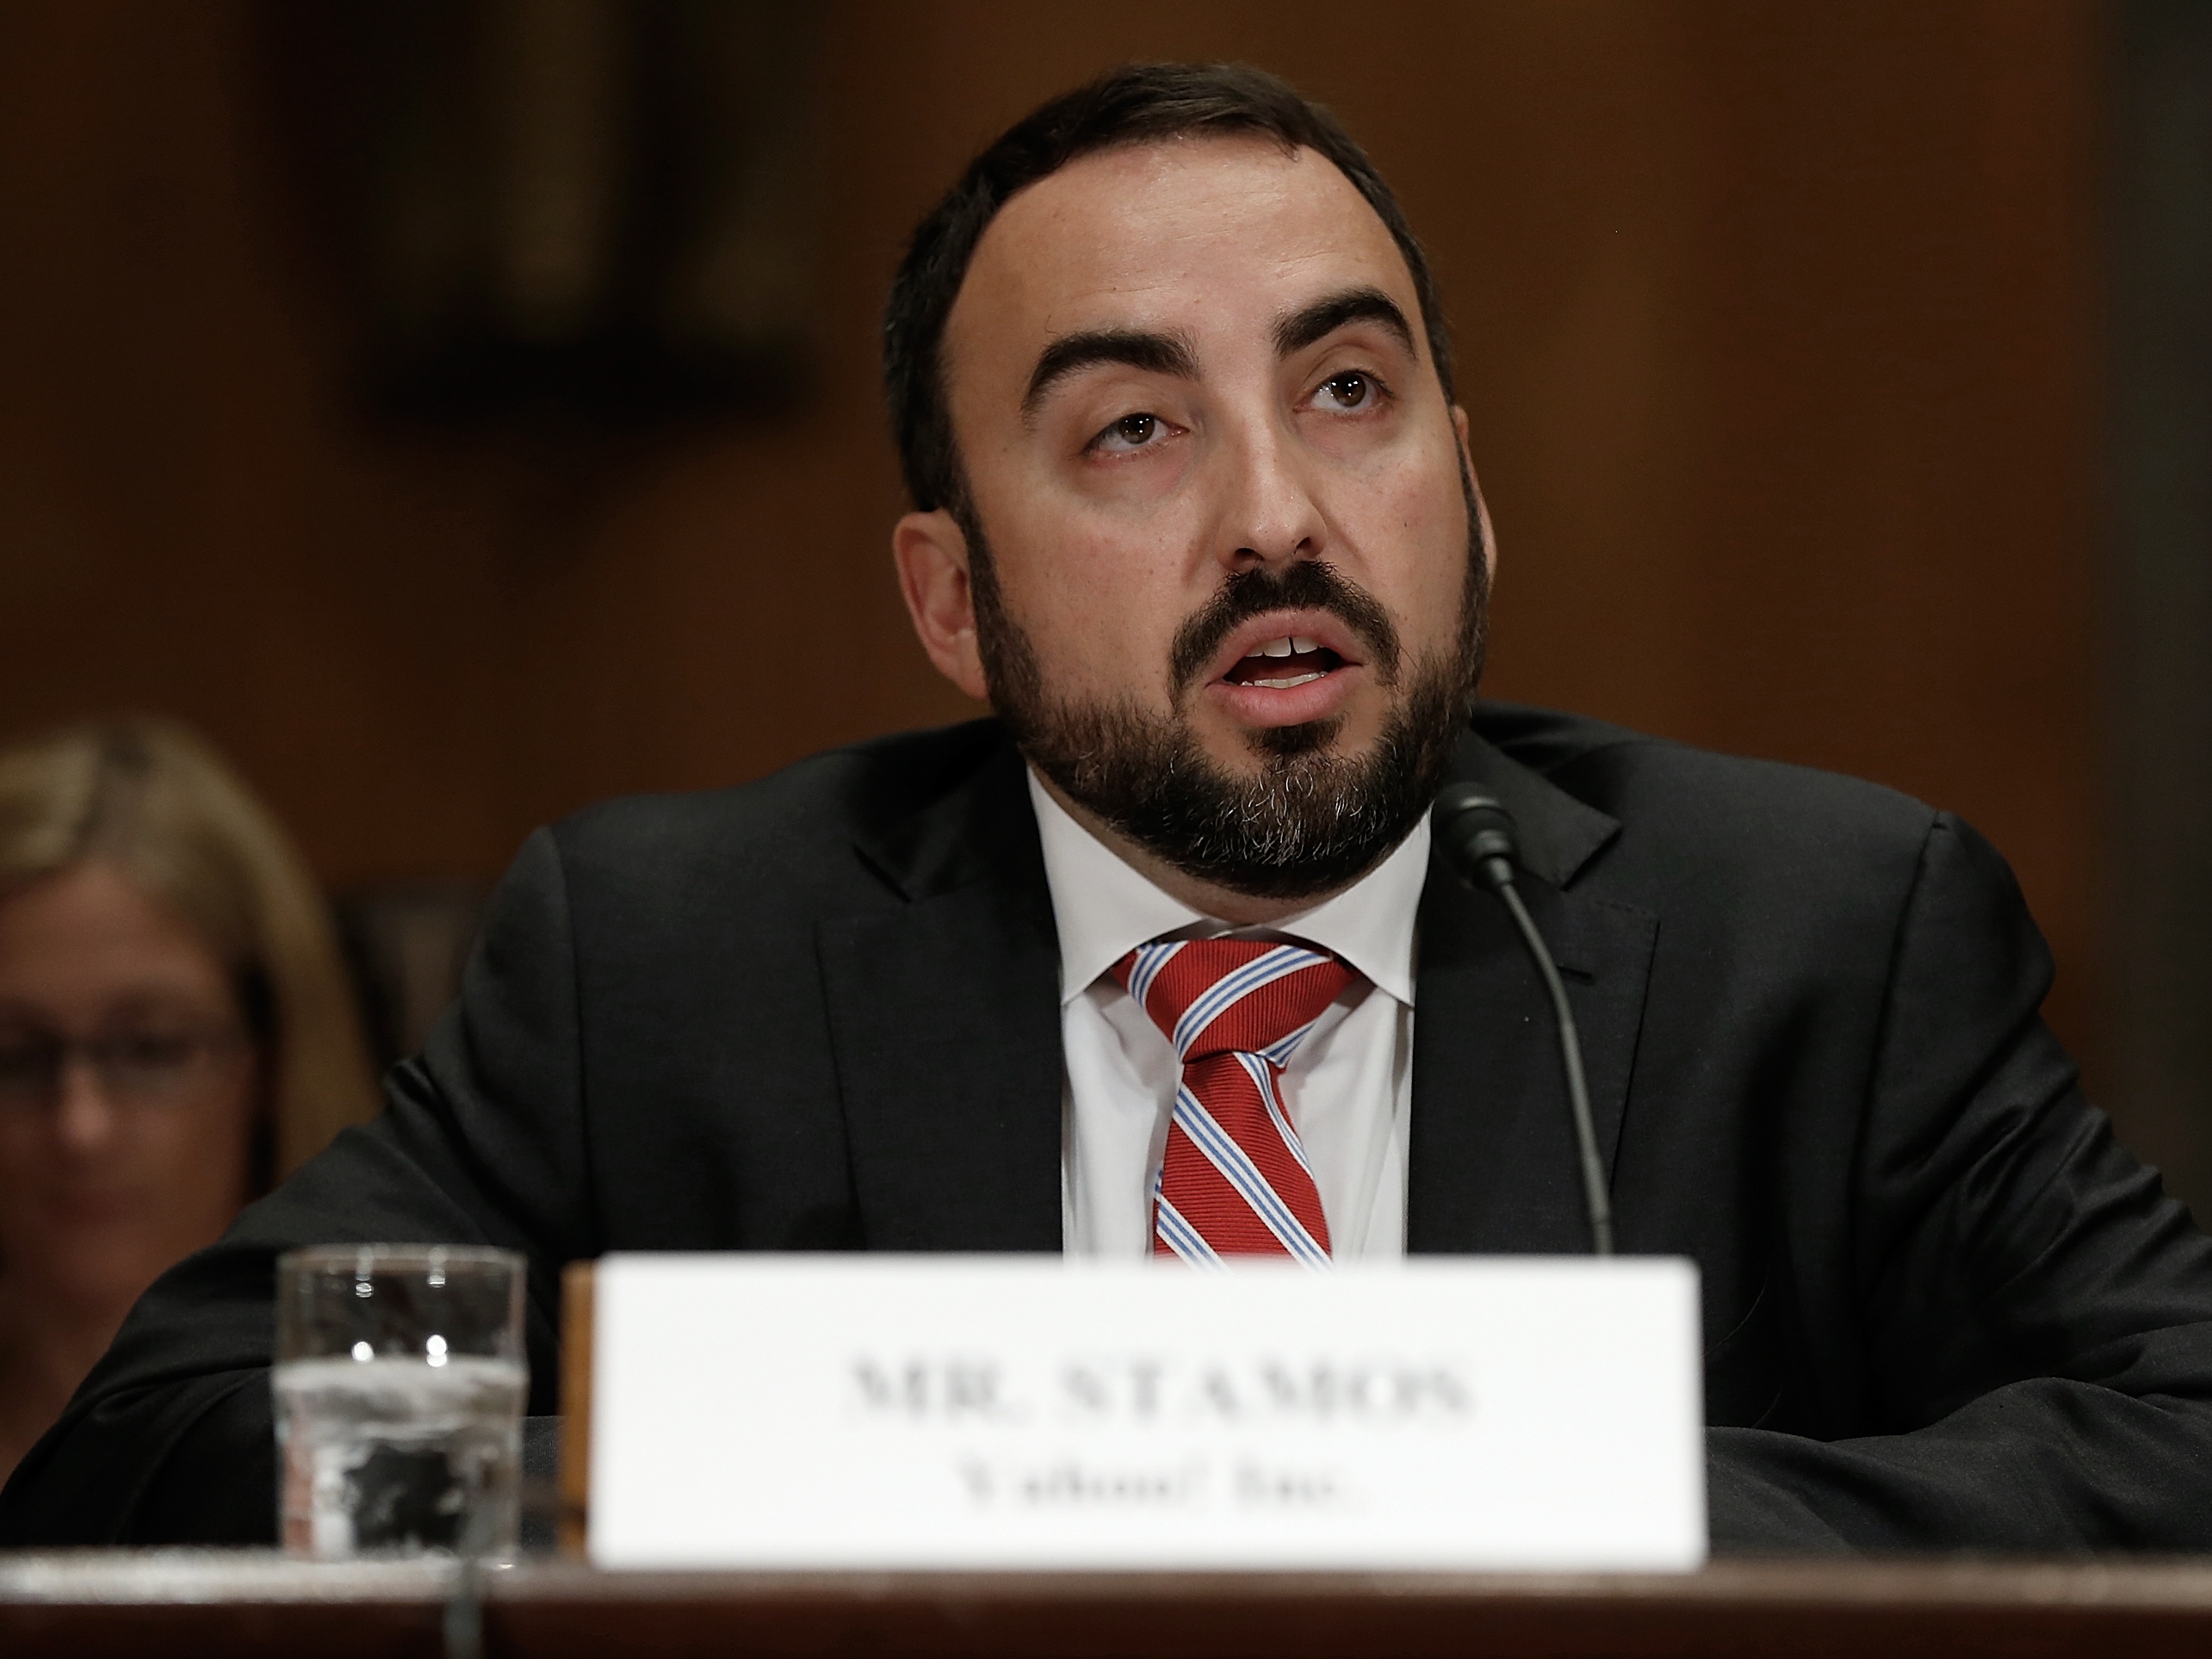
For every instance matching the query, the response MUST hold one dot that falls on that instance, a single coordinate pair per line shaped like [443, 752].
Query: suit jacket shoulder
[830, 829]
[1790, 864]
[1669, 797]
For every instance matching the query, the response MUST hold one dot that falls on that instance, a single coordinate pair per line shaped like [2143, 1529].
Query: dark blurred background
[464, 412]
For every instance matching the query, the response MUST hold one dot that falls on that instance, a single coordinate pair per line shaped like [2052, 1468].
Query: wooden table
[180, 1603]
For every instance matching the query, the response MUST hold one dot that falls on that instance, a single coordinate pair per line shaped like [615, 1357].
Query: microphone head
[1475, 834]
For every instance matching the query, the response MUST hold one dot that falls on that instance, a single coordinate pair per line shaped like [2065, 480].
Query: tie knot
[1224, 996]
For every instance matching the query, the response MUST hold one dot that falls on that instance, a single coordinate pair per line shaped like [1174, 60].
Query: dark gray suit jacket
[1943, 1308]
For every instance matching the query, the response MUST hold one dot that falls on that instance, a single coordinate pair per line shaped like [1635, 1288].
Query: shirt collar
[1104, 909]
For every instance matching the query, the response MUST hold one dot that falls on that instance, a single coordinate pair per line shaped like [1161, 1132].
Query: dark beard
[1309, 821]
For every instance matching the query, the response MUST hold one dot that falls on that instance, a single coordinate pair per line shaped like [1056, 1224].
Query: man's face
[1223, 495]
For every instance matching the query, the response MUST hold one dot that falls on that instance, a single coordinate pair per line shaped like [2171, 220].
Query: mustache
[1308, 585]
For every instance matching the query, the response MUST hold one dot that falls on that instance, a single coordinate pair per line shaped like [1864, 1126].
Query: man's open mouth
[1279, 665]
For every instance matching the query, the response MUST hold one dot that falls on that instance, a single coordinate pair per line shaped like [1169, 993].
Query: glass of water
[400, 1380]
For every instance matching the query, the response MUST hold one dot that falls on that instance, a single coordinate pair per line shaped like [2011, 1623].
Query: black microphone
[1475, 834]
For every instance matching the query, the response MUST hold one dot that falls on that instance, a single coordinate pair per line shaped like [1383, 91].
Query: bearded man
[1194, 512]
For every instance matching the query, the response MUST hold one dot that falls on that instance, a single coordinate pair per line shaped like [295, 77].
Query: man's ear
[932, 555]
[1482, 507]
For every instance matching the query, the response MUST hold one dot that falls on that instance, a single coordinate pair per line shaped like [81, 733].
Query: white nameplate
[887, 1412]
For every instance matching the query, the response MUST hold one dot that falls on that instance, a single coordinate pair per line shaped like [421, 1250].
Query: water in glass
[398, 1455]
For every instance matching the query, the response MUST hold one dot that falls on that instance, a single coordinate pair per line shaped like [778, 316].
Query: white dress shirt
[1347, 1089]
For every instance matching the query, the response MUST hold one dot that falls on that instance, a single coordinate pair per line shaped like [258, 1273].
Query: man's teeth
[1290, 645]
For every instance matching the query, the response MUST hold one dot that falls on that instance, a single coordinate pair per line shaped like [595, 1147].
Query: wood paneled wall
[1777, 325]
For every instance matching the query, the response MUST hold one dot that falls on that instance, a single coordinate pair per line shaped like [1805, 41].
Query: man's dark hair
[1137, 104]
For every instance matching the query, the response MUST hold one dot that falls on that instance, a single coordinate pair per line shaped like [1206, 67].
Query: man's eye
[24, 1059]
[153, 1050]
[1130, 432]
[1347, 391]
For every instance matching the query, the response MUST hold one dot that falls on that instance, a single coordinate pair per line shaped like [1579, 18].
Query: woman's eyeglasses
[145, 1066]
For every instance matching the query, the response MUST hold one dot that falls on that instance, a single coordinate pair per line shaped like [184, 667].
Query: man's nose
[84, 1116]
[1269, 513]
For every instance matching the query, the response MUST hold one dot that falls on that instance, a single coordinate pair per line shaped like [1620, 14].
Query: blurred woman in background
[176, 1034]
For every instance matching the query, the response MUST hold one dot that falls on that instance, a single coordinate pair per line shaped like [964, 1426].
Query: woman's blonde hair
[151, 798]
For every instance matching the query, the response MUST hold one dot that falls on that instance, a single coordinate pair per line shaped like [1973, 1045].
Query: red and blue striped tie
[1235, 1180]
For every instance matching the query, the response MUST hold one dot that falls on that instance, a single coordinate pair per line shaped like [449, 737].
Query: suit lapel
[945, 1021]
[1492, 1166]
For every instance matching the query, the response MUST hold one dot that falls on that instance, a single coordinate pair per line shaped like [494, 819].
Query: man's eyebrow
[1156, 353]
[1324, 317]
